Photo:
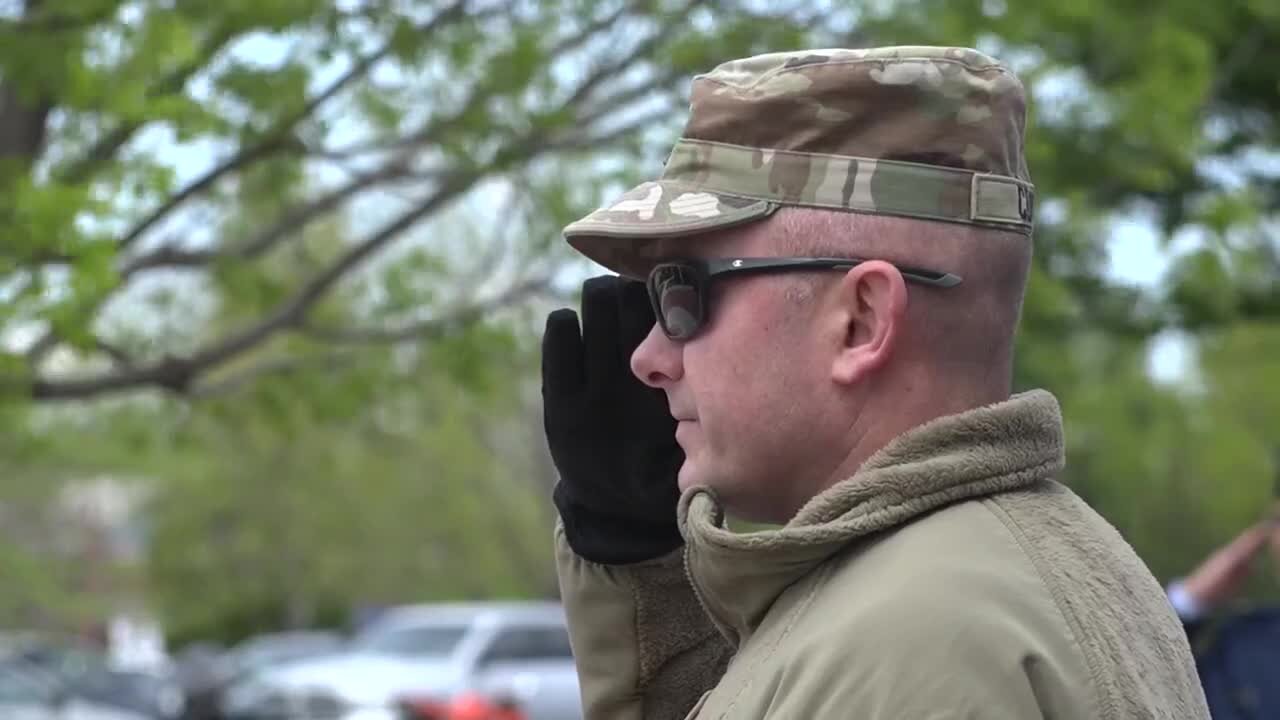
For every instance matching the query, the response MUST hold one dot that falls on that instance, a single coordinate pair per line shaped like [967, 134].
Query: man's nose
[657, 361]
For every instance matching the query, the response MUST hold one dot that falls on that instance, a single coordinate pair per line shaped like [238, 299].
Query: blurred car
[87, 673]
[206, 672]
[481, 661]
[31, 693]
[274, 649]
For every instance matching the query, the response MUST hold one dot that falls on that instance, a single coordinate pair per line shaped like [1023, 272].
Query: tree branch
[488, 261]
[23, 125]
[276, 366]
[586, 142]
[200, 185]
[107, 146]
[607, 70]
[299, 216]
[178, 374]
[279, 138]
[272, 142]
[1242, 53]
[433, 327]
[23, 120]
[440, 125]
[590, 30]
[611, 103]
[36, 22]
[292, 312]
[291, 221]
[117, 355]
[39, 256]
[168, 256]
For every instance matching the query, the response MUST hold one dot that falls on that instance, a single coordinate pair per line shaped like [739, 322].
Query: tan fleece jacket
[950, 577]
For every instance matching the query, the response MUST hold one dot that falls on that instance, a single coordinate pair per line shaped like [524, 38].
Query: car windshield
[272, 651]
[420, 641]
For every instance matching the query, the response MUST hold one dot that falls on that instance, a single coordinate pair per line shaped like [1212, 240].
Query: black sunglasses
[679, 290]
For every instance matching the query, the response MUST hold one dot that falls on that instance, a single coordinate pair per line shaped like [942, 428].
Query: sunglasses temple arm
[943, 280]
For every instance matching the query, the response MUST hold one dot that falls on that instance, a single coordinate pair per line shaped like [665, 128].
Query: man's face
[744, 389]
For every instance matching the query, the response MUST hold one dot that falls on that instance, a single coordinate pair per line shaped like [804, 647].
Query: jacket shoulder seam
[1051, 588]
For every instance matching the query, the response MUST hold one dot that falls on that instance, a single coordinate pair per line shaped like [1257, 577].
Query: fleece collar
[996, 448]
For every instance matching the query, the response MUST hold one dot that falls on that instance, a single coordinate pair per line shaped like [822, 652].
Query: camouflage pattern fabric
[924, 132]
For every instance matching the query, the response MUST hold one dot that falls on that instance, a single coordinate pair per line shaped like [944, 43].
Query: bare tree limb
[289, 223]
[292, 312]
[300, 216]
[40, 256]
[333, 360]
[117, 355]
[170, 374]
[382, 145]
[199, 186]
[431, 328]
[584, 142]
[487, 263]
[168, 256]
[590, 30]
[611, 103]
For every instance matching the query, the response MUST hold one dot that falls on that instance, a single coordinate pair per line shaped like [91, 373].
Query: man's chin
[687, 477]
[695, 474]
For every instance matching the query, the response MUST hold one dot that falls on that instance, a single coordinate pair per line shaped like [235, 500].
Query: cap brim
[614, 236]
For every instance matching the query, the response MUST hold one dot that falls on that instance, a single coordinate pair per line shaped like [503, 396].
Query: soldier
[835, 257]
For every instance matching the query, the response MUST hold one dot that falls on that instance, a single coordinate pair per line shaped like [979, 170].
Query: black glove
[611, 437]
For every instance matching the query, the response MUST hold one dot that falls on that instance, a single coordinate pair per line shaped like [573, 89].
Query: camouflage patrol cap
[922, 132]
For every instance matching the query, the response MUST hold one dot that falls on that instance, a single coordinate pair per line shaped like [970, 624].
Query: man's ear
[869, 306]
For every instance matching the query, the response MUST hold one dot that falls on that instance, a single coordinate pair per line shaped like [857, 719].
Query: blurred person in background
[1220, 576]
[1237, 647]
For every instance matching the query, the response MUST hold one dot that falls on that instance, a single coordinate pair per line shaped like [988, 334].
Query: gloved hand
[611, 437]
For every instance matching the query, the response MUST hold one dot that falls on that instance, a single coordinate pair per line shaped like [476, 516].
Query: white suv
[429, 662]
